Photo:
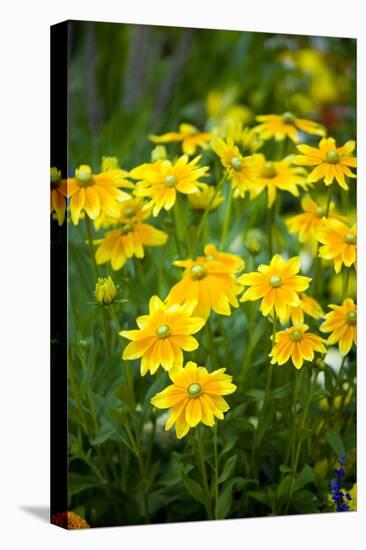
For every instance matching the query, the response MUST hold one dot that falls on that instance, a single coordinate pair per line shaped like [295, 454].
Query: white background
[24, 257]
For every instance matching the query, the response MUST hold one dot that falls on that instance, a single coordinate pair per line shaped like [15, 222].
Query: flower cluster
[340, 498]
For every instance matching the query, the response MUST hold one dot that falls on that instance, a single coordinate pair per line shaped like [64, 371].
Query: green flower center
[163, 331]
[288, 118]
[194, 390]
[236, 164]
[332, 157]
[350, 238]
[129, 212]
[269, 171]
[84, 178]
[352, 318]
[198, 272]
[320, 212]
[170, 181]
[275, 281]
[127, 228]
[296, 336]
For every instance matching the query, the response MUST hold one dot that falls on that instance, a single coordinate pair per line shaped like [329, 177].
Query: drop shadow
[40, 512]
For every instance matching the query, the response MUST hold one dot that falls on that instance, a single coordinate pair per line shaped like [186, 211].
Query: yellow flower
[162, 335]
[190, 137]
[342, 323]
[69, 520]
[241, 170]
[120, 244]
[209, 282]
[58, 195]
[105, 290]
[296, 343]
[331, 162]
[306, 305]
[204, 198]
[286, 125]
[277, 284]
[306, 224]
[339, 243]
[245, 138]
[195, 396]
[162, 180]
[96, 192]
[275, 176]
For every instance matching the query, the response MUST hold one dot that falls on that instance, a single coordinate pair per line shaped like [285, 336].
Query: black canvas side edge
[59, 134]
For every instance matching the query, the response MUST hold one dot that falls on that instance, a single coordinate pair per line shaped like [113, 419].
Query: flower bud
[105, 291]
[158, 153]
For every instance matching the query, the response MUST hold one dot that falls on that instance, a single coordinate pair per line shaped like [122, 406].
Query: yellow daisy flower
[307, 305]
[195, 396]
[297, 344]
[233, 262]
[162, 335]
[118, 245]
[209, 282]
[306, 223]
[94, 193]
[58, 195]
[278, 284]
[241, 170]
[286, 125]
[339, 242]
[162, 180]
[203, 198]
[245, 138]
[279, 175]
[342, 323]
[190, 137]
[331, 162]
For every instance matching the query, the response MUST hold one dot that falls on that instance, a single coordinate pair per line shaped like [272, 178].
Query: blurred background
[127, 81]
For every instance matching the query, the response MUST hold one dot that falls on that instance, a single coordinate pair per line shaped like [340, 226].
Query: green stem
[216, 459]
[317, 270]
[346, 274]
[202, 467]
[128, 373]
[329, 200]
[182, 226]
[206, 212]
[225, 227]
[211, 344]
[91, 246]
[269, 229]
[248, 351]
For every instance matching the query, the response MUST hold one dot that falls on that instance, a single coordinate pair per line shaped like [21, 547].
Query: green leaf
[283, 489]
[230, 444]
[224, 502]
[328, 380]
[228, 469]
[306, 476]
[258, 395]
[335, 441]
[125, 394]
[76, 483]
[193, 488]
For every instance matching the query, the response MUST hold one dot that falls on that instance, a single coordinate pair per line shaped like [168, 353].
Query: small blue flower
[335, 487]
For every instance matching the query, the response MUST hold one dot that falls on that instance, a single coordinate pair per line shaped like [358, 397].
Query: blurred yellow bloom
[222, 109]
[331, 162]
[105, 290]
[205, 197]
[94, 193]
[190, 137]
[159, 153]
[162, 180]
[277, 284]
[307, 305]
[336, 285]
[339, 242]
[297, 344]
[342, 323]
[339, 400]
[162, 335]
[233, 262]
[306, 224]
[241, 170]
[245, 138]
[118, 245]
[195, 396]
[209, 282]
[274, 176]
[286, 125]
[58, 195]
